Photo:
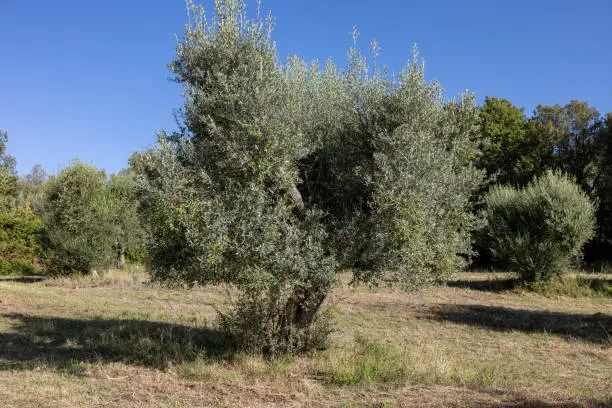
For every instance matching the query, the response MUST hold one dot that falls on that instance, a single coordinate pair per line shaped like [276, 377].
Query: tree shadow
[600, 285]
[64, 343]
[541, 404]
[595, 328]
[491, 285]
[22, 279]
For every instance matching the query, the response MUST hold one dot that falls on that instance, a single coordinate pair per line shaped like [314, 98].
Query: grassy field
[115, 341]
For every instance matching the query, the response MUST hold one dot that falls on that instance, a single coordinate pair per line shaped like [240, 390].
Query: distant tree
[602, 183]
[31, 188]
[568, 135]
[78, 224]
[128, 232]
[284, 173]
[516, 149]
[38, 175]
[19, 240]
[8, 174]
[505, 149]
[90, 222]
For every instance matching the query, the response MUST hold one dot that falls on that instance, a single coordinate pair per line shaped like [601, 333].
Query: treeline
[81, 219]
[75, 222]
[574, 139]
[282, 176]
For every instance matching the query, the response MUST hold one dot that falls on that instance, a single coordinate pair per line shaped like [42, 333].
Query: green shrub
[539, 231]
[574, 286]
[257, 323]
[16, 267]
[78, 227]
[91, 222]
[369, 362]
[19, 241]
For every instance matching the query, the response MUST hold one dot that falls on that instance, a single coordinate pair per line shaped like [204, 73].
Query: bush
[91, 222]
[78, 227]
[539, 230]
[16, 267]
[19, 241]
[574, 286]
[259, 322]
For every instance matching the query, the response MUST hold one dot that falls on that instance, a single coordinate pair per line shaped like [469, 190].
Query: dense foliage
[505, 149]
[539, 230]
[282, 174]
[573, 138]
[19, 241]
[8, 178]
[88, 222]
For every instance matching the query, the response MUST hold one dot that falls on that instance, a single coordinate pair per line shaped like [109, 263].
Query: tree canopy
[285, 173]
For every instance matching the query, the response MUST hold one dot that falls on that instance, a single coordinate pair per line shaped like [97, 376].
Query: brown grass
[116, 341]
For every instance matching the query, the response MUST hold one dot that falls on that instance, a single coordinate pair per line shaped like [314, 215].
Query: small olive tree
[539, 230]
[89, 221]
[283, 174]
[77, 230]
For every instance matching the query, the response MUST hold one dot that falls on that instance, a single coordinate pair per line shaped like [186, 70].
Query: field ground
[114, 341]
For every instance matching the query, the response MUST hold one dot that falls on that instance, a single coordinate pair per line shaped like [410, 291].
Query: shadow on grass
[22, 279]
[598, 284]
[541, 404]
[579, 286]
[64, 343]
[493, 285]
[595, 328]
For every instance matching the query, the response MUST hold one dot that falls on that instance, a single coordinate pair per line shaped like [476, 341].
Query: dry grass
[115, 341]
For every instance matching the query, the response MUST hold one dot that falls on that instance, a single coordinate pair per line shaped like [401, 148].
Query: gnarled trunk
[299, 320]
[294, 195]
[120, 258]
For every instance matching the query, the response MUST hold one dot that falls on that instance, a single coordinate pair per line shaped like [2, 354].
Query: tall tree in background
[78, 229]
[31, 188]
[602, 184]
[573, 138]
[505, 151]
[8, 174]
[566, 139]
[37, 176]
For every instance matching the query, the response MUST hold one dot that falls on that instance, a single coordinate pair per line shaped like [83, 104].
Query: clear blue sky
[88, 79]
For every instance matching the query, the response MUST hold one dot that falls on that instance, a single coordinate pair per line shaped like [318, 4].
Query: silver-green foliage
[284, 173]
[539, 230]
[393, 168]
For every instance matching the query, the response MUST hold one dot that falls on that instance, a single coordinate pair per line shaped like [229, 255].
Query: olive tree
[89, 221]
[283, 174]
[539, 230]
[77, 230]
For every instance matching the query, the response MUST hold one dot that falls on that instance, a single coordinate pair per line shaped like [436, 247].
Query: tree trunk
[120, 258]
[300, 315]
[294, 195]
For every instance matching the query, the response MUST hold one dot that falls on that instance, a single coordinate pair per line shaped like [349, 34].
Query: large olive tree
[283, 174]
